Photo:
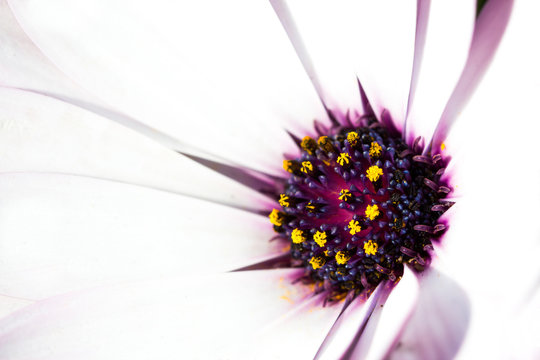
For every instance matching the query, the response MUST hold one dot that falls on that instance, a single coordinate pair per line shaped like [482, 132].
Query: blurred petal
[444, 51]
[86, 232]
[171, 318]
[144, 60]
[439, 322]
[9, 304]
[41, 134]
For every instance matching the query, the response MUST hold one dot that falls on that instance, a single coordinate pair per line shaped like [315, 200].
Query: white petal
[61, 233]
[10, 304]
[38, 133]
[372, 40]
[449, 31]
[214, 80]
[172, 318]
[387, 34]
[438, 324]
[294, 335]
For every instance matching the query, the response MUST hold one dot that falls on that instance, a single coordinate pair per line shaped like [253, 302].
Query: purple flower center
[358, 205]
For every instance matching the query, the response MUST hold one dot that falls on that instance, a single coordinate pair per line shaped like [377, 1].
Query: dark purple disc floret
[358, 205]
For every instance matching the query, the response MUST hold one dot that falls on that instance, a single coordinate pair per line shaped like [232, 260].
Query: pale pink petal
[60, 233]
[445, 48]
[41, 134]
[175, 318]
[196, 71]
[489, 30]
[9, 304]
[438, 325]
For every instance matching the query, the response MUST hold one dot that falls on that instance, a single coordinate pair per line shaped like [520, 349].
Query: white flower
[115, 246]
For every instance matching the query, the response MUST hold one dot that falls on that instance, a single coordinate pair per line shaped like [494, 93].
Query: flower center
[358, 205]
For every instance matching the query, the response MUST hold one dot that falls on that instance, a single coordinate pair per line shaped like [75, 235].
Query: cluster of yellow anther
[310, 207]
[288, 165]
[276, 217]
[317, 261]
[307, 166]
[297, 236]
[342, 257]
[372, 211]
[309, 145]
[375, 149]
[374, 173]
[325, 144]
[354, 227]
[320, 238]
[343, 159]
[284, 200]
[352, 138]
[345, 195]
[370, 247]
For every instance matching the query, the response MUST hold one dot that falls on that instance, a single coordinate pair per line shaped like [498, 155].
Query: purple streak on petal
[279, 261]
[352, 309]
[439, 323]
[488, 32]
[422, 15]
[253, 179]
[295, 138]
[287, 21]
[366, 105]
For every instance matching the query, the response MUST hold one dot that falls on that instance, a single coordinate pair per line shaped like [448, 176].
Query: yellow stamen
[342, 258]
[309, 145]
[316, 262]
[374, 173]
[375, 149]
[325, 144]
[298, 236]
[310, 207]
[320, 238]
[284, 200]
[372, 211]
[276, 217]
[352, 138]
[345, 195]
[370, 247]
[307, 166]
[354, 227]
[343, 158]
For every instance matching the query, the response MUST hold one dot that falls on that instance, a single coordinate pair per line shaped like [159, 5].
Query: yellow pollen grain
[310, 207]
[308, 144]
[284, 200]
[316, 262]
[372, 211]
[345, 195]
[343, 159]
[276, 217]
[297, 236]
[374, 173]
[443, 146]
[370, 247]
[375, 149]
[354, 227]
[307, 166]
[320, 238]
[342, 258]
[352, 138]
